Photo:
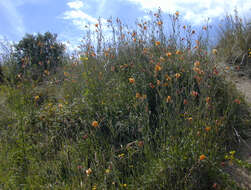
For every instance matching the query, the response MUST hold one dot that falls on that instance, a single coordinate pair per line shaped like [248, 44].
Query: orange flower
[151, 85]
[95, 124]
[167, 77]
[178, 52]
[208, 129]
[197, 64]
[131, 80]
[96, 25]
[168, 54]
[168, 99]
[137, 95]
[177, 13]
[157, 43]
[157, 68]
[177, 75]
[160, 23]
[202, 157]
[185, 101]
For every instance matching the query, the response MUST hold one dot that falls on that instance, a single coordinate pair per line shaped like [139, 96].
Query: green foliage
[39, 54]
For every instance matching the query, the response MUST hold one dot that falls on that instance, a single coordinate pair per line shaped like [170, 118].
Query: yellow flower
[88, 171]
[190, 119]
[158, 68]
[124, 185]
[160, 23]
[121, 155]
[36, 98]
[202, 157]
[131, 80]
[197, 64]
[177, 75]
[95, 124]
[83, 58]
[107, 171]
[214, 51]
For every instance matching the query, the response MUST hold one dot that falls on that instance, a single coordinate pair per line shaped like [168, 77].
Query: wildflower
[208, 99]
[125, 185]
[94, 187]
[160, 23]
[134, 39]
[88, 171]
[80, 167]
[184, 27]
[208, 129]
[151, 85]
[144, 96]
[232, 152]
[237, 101]
[36, 98]
[177, 13]
[121, 155]
[202, 157]
[96, 25]
[137, 95]
[60, 105]
[214, 185]
[178, 52]
[168, 54]
[145, 28]
[131, 80]
[157, 68]
[197, 64]
[66, 74]
[95, 124]
[194, 93]
[162, 59]
[167, 77]
[204, 28]
[158, 82]
[157, 43]
[185, 101]
[227, 67]
[190, 119]
[46, 72]
[214, 51]
[107, 171]
[168, 99]
[177, 75]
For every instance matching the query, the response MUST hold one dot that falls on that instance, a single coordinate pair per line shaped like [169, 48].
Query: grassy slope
[155, 114]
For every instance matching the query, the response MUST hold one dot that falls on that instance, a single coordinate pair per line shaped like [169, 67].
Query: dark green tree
[39, 54]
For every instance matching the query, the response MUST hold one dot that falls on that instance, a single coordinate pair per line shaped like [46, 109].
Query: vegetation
[148, 109]
[235, 43]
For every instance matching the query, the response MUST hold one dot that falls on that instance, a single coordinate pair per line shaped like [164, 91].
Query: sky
[68, 18]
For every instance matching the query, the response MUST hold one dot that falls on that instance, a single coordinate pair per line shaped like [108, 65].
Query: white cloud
[13, 16]
[196, 11]
[75, 4]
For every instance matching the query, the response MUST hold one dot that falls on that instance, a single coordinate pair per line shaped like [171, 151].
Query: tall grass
[144, 109]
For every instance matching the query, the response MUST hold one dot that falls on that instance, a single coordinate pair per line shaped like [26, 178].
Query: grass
[147, 109]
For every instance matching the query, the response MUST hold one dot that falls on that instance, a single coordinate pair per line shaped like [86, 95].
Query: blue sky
[67, 18]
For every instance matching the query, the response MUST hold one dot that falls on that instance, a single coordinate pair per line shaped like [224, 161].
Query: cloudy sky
[68, 18]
